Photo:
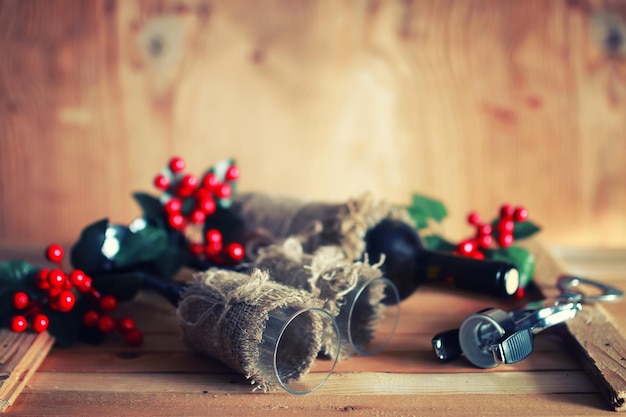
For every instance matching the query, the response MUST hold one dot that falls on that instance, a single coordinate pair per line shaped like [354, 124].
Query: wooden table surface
[161, 378]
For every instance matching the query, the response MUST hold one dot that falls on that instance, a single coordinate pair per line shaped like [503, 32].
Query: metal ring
[567, 284]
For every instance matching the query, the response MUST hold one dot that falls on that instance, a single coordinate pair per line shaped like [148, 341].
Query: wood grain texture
[475, 103]
[162, 378]
[20, 356]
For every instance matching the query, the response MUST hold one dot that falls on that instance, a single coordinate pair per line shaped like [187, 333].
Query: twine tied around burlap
[224, 314]
[335, 280]
[306, 255]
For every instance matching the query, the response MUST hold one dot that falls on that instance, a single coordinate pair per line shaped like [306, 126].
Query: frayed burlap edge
[223, 315]
[333, 278]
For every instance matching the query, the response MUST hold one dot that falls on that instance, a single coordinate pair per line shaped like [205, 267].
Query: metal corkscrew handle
[492, 336]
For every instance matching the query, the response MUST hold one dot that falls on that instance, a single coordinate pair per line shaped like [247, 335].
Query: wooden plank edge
[21, 356]
[599, 343]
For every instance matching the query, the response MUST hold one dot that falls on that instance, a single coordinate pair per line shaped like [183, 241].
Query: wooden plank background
[474, 102]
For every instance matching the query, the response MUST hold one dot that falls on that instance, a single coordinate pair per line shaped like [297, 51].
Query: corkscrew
[492, 336]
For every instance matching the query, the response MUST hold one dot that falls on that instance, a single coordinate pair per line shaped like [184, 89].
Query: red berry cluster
[100, 317]
[190, 200]
[214, 249]
[59, 293]
[202, 193]
[486, 235]
[60, 290]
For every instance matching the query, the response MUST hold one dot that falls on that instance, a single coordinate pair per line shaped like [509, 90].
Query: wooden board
[163, 378]
[20, 356]
[475, 102]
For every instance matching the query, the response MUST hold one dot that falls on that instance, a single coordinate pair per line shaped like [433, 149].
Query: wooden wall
[473, 102]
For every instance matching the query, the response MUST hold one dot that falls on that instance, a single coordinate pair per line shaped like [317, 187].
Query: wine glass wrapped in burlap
[269, 332]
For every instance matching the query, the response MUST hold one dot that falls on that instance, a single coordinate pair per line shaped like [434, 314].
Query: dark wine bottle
[409, 264]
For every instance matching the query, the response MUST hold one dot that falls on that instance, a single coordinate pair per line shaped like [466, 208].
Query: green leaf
[151, 207]
[522, 230]
[12, 272]
[86, 254]
[422, 209]
[525, 229]
[438, 243]
[172, 259]
[15, 276]
[520, 257]
[143, 245]
[123, 286]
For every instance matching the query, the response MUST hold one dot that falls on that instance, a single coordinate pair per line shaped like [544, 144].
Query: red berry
[106, 324]
[213, 236]
[478, 255]
[176, 221]
[506, 211]
[65, 301]
[213, 249]
[520, 214]
[210, 181]
[473, 218]
[197, 216]
[40, 323]
[86, 285]
[177, 164]
[235, 251]
[54, 253]
[125, 324]
[223, 191]
[506, 226]
[467, 247]
[196, 248]
[173, 205]
[91, 318]
[485, 241]
[207, 205]
[505, 240]
[77, 278]
[56, 278]
[161, 182]
[19, 324]
[133, 337]
[42, 279]
[483, 230]
[189, 181]
[20, 300]
[232, 174]
[108, 303]
[53, 293]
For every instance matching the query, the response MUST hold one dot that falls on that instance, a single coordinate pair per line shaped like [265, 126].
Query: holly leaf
[522, 230]
[143, 245]
[151, 207]
[15, 276]
[170, 262]
[523, 259]
[525, 229]
[423, 209]
[14, 272]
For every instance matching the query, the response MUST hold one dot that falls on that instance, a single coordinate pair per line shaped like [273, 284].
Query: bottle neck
[495, 278]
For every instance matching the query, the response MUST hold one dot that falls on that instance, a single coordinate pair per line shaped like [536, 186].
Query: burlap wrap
[316, 224]
[223, 314]
[334, 279]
